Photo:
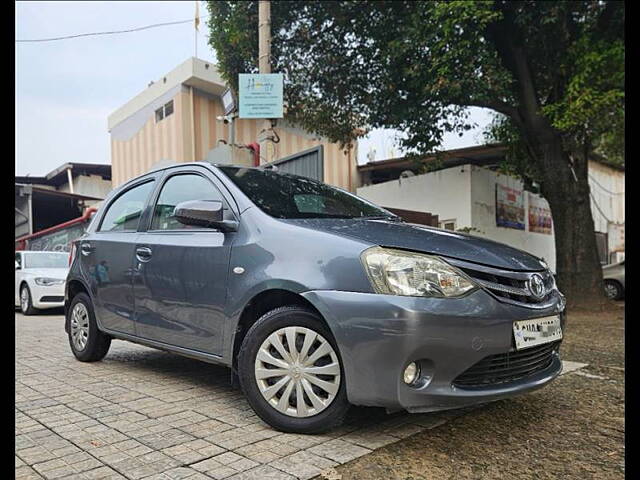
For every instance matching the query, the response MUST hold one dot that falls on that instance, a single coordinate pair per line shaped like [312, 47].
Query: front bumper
[378, 335]
[51, 296]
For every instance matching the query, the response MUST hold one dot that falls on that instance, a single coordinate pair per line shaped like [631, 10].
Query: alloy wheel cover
[297, 371]
[79, 326]
[24, 299]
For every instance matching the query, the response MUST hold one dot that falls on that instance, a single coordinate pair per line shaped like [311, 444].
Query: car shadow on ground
[49, 312]
[208, 376]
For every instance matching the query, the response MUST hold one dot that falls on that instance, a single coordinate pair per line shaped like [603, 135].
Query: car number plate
[528, 333]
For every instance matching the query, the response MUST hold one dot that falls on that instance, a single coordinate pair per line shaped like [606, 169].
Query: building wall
[446, 193]
[468, 195]
[138, 142]
[22, 224]
[340, 168]
[608, 206]
[89, 185]
[483, 213]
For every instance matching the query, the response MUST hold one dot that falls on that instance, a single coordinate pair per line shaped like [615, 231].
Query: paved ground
[142, 413]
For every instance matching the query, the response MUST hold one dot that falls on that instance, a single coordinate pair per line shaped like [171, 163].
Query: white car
[40, 279]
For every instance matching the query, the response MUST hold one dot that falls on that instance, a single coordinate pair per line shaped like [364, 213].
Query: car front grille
[509, 286]
[507, 367]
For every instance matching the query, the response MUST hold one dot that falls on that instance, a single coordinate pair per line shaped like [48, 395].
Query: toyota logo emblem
[536, 286]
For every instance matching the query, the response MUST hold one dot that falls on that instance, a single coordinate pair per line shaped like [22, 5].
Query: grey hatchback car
[315, 298]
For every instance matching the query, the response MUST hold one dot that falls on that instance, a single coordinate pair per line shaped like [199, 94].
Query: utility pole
[264, 66]
[264, 36]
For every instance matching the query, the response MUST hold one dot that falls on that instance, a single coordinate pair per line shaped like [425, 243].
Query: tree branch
[497, 105]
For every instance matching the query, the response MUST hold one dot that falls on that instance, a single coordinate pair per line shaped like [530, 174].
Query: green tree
[554, 71]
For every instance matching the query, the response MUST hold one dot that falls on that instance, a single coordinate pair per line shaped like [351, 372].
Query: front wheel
[613, 290]
[26, 303]
[88, 344]
[291, 372]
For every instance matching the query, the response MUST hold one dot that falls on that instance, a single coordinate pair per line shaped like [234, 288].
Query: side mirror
[203, 213]
[17, 266]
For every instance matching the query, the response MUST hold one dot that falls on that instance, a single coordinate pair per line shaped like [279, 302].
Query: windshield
[283, 195]
[46, 260]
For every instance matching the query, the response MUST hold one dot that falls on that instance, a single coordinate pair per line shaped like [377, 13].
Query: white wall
[89, 185]
[446, 193]
[608, 206]
[483, 211]
[467, 194]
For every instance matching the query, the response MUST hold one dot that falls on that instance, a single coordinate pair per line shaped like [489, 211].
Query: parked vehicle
[39, 280]
[614, 285]
[315, 298]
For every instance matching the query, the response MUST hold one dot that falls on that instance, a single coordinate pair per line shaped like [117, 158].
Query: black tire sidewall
[30, 309]
[618, 288]
[93, 350]
[331, 416]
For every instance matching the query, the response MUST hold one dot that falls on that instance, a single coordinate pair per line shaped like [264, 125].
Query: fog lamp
[411, 373]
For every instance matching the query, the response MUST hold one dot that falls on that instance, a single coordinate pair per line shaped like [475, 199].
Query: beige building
[174, 119]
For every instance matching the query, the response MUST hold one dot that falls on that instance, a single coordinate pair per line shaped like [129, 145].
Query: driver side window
[182, 188]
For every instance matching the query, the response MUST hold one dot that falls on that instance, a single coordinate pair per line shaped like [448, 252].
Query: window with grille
[164, 111]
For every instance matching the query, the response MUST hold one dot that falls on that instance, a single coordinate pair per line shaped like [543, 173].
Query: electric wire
[604, 188]
[600, 210]
[114, 32]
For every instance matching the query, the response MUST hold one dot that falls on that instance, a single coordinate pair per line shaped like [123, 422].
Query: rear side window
[124, 213]
[182, 188]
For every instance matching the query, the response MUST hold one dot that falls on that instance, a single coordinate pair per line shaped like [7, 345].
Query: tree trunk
[578, 268]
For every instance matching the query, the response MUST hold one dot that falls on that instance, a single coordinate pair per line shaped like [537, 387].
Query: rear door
[107, 256]
[181, 271]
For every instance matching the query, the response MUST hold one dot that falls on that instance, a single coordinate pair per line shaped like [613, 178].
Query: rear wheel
[613, 290]
[291, 372]
[26, 305]
[88, 344]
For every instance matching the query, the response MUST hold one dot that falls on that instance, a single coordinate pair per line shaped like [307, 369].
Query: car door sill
[185, 352]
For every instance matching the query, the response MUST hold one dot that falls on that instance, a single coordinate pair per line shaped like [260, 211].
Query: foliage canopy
[417, 66]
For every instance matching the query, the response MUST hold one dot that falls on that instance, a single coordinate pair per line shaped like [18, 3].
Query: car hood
[425, 239]
[58, 273]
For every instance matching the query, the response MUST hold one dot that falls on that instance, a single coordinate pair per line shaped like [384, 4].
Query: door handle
[143, 254]
[86, 249]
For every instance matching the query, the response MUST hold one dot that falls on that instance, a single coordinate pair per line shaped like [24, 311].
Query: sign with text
[539, 215]
[260, 95]
[509, 207]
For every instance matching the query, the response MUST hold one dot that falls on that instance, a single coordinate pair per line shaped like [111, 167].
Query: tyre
[26, 305]
[613, 290]
[300, 389]
[88, 344]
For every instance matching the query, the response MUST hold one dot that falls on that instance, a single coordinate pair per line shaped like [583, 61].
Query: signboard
[228, 101]
[260, 95]
[509, 207]
[539, 215]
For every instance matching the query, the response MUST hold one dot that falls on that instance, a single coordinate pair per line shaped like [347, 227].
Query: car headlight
[397, 272]
[47, 282]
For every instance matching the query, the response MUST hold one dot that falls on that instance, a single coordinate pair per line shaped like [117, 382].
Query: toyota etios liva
[316, 298]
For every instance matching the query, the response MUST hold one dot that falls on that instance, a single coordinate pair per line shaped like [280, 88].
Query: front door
[107, 258]
[180, 282]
